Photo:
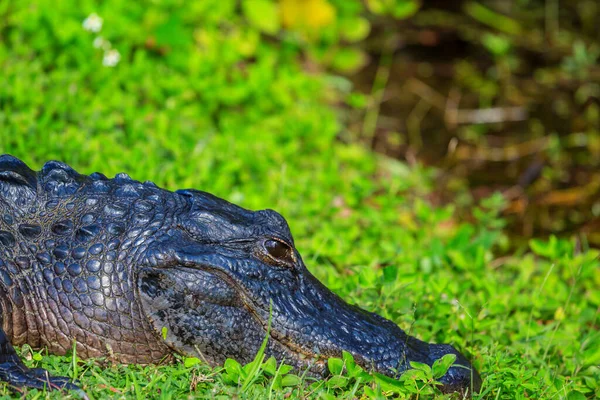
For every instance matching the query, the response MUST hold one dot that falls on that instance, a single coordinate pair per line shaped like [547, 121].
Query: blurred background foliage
[379, 128]
[496, 95]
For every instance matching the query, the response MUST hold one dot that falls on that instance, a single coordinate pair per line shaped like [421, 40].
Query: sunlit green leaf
[191, 361]
[262, 14]
[336, 365]
[290, 380]
[348, 59]
[441, 366]
[355, 29]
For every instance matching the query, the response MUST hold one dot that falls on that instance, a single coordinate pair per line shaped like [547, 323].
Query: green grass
[201, 98]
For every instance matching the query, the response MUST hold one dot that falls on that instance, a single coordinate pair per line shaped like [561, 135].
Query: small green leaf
[420, 366]
[233, 368]
[290, 380]
[337, 381]
[355, 29]
[36, 356]
[163, 332]
[336, 365]
[348, 59]
[350, 364]
[416, 375]
[405, 9]
[389, 384]
[376, 6]
[544, 248]
[270, 366]
[575, 395]
[263, 15]
[591, 353]
[496, 44]
[327, 396]
[399, 9]
[191, 361]
[441, 366]
[357, 100]
[284, 369]
[589, 381]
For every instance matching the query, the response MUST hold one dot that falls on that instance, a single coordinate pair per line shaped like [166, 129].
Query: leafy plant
[212, 96]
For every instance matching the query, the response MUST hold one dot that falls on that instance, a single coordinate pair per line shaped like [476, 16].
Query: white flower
[93, 23]
[100, 43]
[111, 58]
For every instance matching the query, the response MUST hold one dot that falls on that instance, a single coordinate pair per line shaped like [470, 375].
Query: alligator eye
[279, 251]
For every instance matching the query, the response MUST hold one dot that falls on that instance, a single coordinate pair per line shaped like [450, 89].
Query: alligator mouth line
[290, 346]
[301, 352]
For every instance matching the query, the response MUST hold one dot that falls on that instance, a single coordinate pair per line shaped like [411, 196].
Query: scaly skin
[109, 263]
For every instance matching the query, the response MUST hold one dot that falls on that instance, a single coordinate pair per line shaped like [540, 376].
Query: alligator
[127, 270]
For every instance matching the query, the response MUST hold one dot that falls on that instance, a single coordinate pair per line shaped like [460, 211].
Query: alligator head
[214, 283]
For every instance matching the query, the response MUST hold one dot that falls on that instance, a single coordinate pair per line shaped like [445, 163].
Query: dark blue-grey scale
[75, 269]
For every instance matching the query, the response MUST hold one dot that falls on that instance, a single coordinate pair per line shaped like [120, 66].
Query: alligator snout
[332, 326]
[393, 357]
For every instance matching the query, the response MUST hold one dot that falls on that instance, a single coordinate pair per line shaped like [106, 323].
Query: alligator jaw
[312, 324]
